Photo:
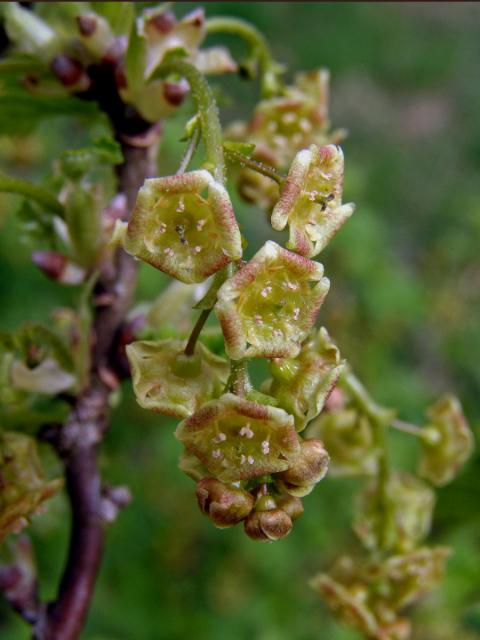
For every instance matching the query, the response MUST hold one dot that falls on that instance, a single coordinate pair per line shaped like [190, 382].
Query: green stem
[430, 435]
[190, 152]
[211, 128]
[271, 83]
[380, 418]
[239, 380]
[9, 184]
[255, 165]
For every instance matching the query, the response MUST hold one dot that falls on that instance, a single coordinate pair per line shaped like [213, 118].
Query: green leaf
[135, 60]
[77, 162]
[119, 15]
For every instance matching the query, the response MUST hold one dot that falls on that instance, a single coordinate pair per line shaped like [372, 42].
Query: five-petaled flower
[268, 307]
[168, 381]
[311, 201]
[236, 439]
[182, 232]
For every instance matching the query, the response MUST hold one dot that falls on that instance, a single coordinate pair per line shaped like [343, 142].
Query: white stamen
[162, 227]
[265, 291]
[265, 447]
[200, 224]
[168, 251]
[216, 453]
[251, 459]
[242, 459]
[180, 206]
[258, 319]
[246, 431]
[277, 333]
[197, 249]
[220, 437]
[296, 313]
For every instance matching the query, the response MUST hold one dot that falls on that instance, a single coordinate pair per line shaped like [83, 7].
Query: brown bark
[77, 440]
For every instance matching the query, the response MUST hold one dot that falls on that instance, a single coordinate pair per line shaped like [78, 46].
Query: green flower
[369, 597]
[178, 230]
[269, 306]
[23, 486]
[281, 126]
[409, 516]
[311, 201]
[168, 381]
[302, 384]
[349, 439]
[451, 443]
[236, 439]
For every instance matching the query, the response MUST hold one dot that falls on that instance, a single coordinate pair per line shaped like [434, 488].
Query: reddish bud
[175, 92]
[68, 70]
[57, 267]
[163, 22]
[224, 504]
[268, 526]
[87, 25]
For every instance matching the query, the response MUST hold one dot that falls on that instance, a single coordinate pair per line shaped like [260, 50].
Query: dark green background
[404, 307]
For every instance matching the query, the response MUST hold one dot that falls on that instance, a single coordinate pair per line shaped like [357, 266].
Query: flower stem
[190, 152]
[197, 329]
[255, 165]
[429, 435]
[381, 418]
[211, 128]
[271, 83]
[9, 184]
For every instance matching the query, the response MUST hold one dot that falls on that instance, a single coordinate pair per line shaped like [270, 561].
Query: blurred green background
[404, 308]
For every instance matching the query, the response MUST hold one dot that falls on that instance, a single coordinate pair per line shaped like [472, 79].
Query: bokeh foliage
[403, 306]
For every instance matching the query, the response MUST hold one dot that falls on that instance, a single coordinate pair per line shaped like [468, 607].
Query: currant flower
[410, 505]
[269, 306]
[349, 439]
[347, 596]
[302, 385]
[183, 233]
[410, 576]
[23, 486]
[311, 200]
[168, 381]
[283, 125]
[236, 439]
[451, 443]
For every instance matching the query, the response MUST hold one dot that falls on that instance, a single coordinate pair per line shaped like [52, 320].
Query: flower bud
[292, 506]
[268, 526]
[268, 307]
[224, 504]
[309, 467]
[95, 34]
[70, 72]
[58, 267]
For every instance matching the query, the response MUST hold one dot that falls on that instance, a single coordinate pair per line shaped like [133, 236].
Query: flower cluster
[371, 596]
